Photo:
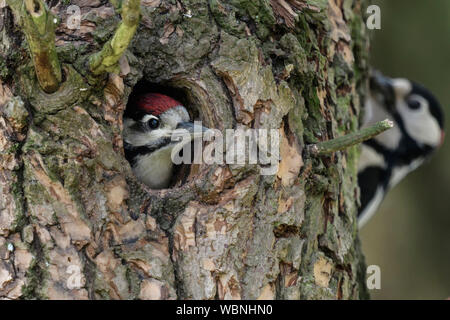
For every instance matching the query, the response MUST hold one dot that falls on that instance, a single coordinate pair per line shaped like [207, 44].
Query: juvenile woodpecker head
[150, 122]
[418, 131]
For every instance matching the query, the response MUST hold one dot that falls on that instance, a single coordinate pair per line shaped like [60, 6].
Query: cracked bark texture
[75, 224]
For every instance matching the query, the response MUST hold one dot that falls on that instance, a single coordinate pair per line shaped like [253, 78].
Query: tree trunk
[75, 223]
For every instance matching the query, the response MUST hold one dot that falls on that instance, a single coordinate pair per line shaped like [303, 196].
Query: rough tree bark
[75, 224]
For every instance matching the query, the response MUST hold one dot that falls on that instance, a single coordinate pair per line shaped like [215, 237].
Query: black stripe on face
[407, 152]
[408, 149]
[131, 152]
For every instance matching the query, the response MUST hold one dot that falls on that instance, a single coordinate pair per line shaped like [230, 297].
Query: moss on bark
[229, 232]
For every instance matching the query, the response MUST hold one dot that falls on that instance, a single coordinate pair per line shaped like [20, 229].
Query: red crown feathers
[156, 103]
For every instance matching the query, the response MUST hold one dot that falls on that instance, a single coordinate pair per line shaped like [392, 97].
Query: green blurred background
[409, 237]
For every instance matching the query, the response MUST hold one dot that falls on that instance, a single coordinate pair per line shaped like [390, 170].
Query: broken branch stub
[107, 59]
[349, 140]
[39, 27]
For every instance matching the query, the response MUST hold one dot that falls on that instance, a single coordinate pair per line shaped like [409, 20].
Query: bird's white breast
[155, 169]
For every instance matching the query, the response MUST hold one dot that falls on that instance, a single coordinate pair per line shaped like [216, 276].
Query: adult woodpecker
[150, 123]
[418, 131]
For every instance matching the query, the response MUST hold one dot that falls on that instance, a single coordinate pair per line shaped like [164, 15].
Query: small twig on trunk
[39, 27]
[107, 59]
[344, 142]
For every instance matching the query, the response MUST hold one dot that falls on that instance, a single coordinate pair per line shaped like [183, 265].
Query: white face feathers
[414, 109]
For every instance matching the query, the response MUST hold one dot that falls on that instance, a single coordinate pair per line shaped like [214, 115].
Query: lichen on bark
[228, 232]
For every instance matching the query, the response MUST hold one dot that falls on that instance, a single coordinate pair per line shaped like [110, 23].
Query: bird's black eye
[153, 123]
[414, 104]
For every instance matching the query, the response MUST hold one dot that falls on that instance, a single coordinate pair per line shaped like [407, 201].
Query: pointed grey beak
[189, 128]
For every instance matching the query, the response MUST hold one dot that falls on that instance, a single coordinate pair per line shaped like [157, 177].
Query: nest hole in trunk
[182, 173]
